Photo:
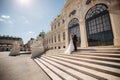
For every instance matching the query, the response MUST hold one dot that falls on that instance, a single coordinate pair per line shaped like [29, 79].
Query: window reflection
[99, 31]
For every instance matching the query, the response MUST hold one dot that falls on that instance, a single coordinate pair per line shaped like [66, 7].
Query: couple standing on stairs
[72, 45]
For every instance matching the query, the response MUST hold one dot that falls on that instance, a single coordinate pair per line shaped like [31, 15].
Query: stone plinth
[15, 49]
[37, 48]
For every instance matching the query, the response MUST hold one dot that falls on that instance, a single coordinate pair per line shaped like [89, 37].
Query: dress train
[70, 47]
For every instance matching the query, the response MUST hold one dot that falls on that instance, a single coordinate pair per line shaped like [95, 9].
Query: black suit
[74, 42]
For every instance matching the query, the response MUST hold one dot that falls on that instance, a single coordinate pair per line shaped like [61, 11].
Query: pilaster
[114, 11]
[84, 42]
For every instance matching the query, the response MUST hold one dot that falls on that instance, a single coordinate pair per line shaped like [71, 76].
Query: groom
[74, 42]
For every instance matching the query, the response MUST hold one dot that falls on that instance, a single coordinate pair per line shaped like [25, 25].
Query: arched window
[73, 22]
[96, 10]
[73, 27]
[98, 26]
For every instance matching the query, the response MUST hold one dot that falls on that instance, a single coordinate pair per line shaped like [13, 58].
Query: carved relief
[72, 13]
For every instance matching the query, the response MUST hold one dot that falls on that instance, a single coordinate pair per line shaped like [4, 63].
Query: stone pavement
[20, 68]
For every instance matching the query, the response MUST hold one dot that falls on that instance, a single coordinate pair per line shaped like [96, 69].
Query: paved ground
[20, 68]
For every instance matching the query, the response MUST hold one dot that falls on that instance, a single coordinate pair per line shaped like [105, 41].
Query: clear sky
[27, 18]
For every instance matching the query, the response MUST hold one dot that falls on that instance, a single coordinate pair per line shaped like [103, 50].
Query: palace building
[6, 42]
[95, 22]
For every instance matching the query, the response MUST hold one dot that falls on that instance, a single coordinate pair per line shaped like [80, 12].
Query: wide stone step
[109, 70]
[95, 57]
[71, 71]
[113, 55]
[50, 52]
[96, 70]
[100, 49]
[50, 73]
[61, 73]
[100, 54]
[99, 62]
[109, 52]
[117, 60]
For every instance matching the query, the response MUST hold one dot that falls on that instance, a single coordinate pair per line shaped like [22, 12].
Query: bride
[70, 46]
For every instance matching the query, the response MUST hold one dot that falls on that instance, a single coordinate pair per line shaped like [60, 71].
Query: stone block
[37, 48]
[15, 49]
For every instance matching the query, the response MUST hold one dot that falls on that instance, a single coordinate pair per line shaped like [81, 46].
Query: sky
[27, 18]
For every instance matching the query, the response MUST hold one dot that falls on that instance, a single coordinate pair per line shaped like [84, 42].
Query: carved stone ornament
[88, 2]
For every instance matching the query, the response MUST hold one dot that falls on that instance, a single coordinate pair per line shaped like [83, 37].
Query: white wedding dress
[70, 47]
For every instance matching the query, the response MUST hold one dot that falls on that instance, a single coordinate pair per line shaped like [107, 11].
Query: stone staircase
[81, 65]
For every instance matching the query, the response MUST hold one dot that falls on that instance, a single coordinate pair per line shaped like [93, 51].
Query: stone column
[114, 11]
[66, 38]
[66, 31]
[83, 34]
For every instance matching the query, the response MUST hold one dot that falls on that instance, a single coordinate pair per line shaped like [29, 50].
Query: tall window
[58, 24]
[59, 37]
[63, 21]
[55, 27]
[55, 38]
[63, 35]
[98, 25]
[52, 39]
[51, 28]
[49, 41]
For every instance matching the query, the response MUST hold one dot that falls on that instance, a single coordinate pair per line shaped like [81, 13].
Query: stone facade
[39, 38]
[55, 39]
[84, 11]
[6, 43]
[28, 44]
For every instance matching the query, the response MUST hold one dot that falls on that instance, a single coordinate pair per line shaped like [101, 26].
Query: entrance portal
[73, 27]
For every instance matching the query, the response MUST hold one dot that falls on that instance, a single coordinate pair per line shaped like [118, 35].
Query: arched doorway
[73, 27]
[98, 26]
